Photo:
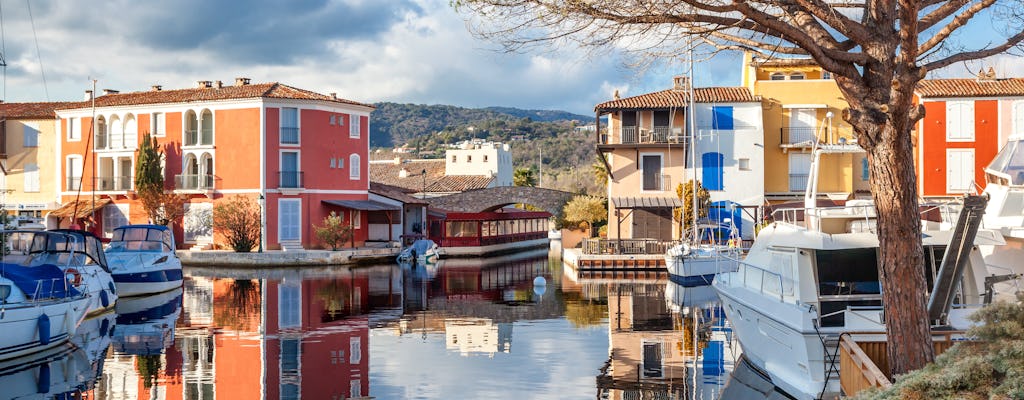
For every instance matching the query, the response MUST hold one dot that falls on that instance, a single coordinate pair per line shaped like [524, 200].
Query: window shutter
[722, 117]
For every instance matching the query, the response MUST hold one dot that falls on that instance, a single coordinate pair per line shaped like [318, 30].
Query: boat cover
[45, 281]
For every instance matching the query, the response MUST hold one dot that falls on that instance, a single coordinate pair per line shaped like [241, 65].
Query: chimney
[110, 91]
[616, 94]
[986, 76]
[88, 95]
[241, 81]
[204, 84]
[220, 85]
[680, 82]
[334, 96]
[156, 88]
[398, 160]
[403, 173]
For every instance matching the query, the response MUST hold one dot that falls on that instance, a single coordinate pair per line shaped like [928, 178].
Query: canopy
[84, 208]
[646, 202]
[363, 205]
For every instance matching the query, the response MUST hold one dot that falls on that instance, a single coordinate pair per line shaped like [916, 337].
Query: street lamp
[261, 224]
[423, 191]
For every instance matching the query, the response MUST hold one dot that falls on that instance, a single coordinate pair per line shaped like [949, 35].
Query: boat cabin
[142, 238]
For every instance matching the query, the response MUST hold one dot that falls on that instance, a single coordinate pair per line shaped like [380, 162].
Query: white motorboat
[1004, 178]
[145, 324]
[422, 251]
[143, 261]
[39, 308]
[80, 255]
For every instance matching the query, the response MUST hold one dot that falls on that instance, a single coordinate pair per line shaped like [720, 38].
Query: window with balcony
[353, 127]
[960, 121]
[158, 124]
[291, 175]
[197, 173]
[191, 129]
[31, 178]
[73, 172]
[206, 132]
[353, 167]
[651, 166]
[289, 125]
[131, 132]
[124, 175]
[629, 131]
[31, 134]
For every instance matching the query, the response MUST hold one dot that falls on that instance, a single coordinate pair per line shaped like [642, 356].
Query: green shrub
[334, 232]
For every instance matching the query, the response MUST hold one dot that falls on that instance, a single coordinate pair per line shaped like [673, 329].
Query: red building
[966, 122]
[290, 150]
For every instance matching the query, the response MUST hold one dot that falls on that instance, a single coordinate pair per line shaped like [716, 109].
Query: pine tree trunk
[901, 258]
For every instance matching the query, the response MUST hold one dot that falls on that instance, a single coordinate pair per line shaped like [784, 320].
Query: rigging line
[38, 55]
[3, 51]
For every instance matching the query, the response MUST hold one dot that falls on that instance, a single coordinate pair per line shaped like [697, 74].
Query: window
[191, 128]
[332, 162]
[289, 219]
[353, 163]
[865, 173]
[777, 76]
[31, 135]
[114, 216]
[355, 352]
[73, 172]
[826, 75]
[74, 129]
[353, 127]
[341, 162]
[206, 135]
[652, 360]
[485, 158]
[289, 125]
[469, 159]
[454, 158]
[651, 165]
[341, 120]
[355, 387]
[721, 117]
[31, 178]
[797, 76]
[357, 218]
[333, 119]
[799, 171]
[291, 176]
[158, 124]
[960, 121]
[744, 164]
[712, 170]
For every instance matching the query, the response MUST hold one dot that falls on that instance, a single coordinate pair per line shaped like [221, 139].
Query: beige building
[28, 157]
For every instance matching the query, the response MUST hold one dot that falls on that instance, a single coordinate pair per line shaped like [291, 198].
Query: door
[959, 170]
[289, 219]
[799, 170]
[289, 169]
[801, 124]
[651, 165]
[655, 223]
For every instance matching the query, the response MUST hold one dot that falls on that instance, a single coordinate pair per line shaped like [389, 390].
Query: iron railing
[626, 246]
[289, 135]
[193, 182]
[290, 179]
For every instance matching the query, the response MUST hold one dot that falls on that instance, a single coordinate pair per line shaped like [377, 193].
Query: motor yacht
[143, 261]
[1005, 213]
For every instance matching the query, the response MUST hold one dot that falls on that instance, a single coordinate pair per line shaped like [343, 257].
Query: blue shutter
[864, 174]
[721, 117]
[712, 170]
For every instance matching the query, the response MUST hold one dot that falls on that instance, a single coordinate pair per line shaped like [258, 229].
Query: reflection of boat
[679, 297]
[40, 308]
[718, 357]
[143, 260]
[747, 383]
[422, 251]
[60, 372]
[145, 325]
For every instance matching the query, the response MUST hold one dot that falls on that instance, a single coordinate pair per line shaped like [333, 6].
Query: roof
[389, 173]
[363, 205]
[394, 193]
[970, 87]
[646, 202]
[459, 183]
[35, 110]
[79, 209]
[272, 90]
[677, 98]
[784, 62]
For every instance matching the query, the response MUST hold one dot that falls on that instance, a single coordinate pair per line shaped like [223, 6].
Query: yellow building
[28, 157]
[801, 103]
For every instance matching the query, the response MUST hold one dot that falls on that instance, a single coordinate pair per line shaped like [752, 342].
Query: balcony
[290, 180]
[289, 135]
[191, 137]
[632, 135]
[193, 182]
[102, 140]
[659, 182]
[790, 137]
[74, 183]
[114, 183]
[626, 246]
[798, 182]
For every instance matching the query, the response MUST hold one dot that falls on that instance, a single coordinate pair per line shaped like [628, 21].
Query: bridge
[491, 199]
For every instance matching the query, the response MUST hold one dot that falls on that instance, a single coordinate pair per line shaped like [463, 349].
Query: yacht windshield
[140, 239]
[1010, 162]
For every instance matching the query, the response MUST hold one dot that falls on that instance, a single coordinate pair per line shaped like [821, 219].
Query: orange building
[297, 153]
[966, 122]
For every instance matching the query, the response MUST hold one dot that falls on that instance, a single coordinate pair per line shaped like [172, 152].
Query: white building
[481, 159]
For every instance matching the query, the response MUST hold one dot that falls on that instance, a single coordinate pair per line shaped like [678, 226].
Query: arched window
[711, 164]
[131, 132]
[353, 167]
[797, 76]
[191, 128]
[116, 132]
[190, 173]
[206, 172]
[206, 136]
[777, 76]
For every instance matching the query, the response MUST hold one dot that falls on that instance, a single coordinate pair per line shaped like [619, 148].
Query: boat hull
[22, 327]
[148, 282]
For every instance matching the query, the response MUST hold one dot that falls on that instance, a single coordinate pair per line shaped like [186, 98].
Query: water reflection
[518, 326]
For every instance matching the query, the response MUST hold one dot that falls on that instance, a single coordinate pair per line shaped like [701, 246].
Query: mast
[693, 144]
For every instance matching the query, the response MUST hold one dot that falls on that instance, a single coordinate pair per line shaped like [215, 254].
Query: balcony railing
[640, 135]
[626, 246]
[661, 182]
[206, 139]
[191, 137]
[798, 182]
[290, 180]
[797, 135]
[74, 183]
[193, 182]
[102, 141]
[289, 135]
[114, 183]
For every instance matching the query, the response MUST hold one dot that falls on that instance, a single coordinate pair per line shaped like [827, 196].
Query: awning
[85, 208]
[363, 205]
[646, 202]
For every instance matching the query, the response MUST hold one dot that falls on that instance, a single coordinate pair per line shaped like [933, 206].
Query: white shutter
[31, 178]
[959, 170]
[289, 219]
[353, 126]
[1018, 118]
[960, 121]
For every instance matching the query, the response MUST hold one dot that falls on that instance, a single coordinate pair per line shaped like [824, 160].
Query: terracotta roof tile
[394, 192]
[387, 173]
[459, 183]
[34, 110]
[784, 62]
[970, 87]
[677, 98]
[247, 91]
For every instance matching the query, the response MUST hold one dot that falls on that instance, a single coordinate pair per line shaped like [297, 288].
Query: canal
[521, 326]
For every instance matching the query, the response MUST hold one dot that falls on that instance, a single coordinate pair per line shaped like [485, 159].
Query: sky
[406, 51]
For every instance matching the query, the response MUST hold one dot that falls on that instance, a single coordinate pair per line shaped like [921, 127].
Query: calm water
[515, 327]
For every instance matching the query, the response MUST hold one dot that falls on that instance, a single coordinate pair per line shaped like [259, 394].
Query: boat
[1004, 178]
[697, 264]
[422, 252]
[80, 255]
[39, 308]
[145, 324]
[143, 261]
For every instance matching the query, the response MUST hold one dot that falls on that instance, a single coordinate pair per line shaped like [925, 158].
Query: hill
[542, 115]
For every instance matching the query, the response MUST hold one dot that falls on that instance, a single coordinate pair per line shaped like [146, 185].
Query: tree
[585, 209]
[333, 232]
[876, 51]
[162, 207]
[239, 221]
[524, 177]
[685, 213]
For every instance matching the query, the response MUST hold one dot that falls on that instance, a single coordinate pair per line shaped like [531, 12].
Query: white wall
[498, 162]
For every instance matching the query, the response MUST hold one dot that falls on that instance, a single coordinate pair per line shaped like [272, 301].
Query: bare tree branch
[1012, 42]
[957, 22]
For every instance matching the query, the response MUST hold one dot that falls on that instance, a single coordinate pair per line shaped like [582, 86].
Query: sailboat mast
[693, 144]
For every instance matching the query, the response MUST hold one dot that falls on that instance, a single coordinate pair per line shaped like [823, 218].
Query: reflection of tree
[148, 368]
[240, 306]
[335, 296]
[584, 313]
